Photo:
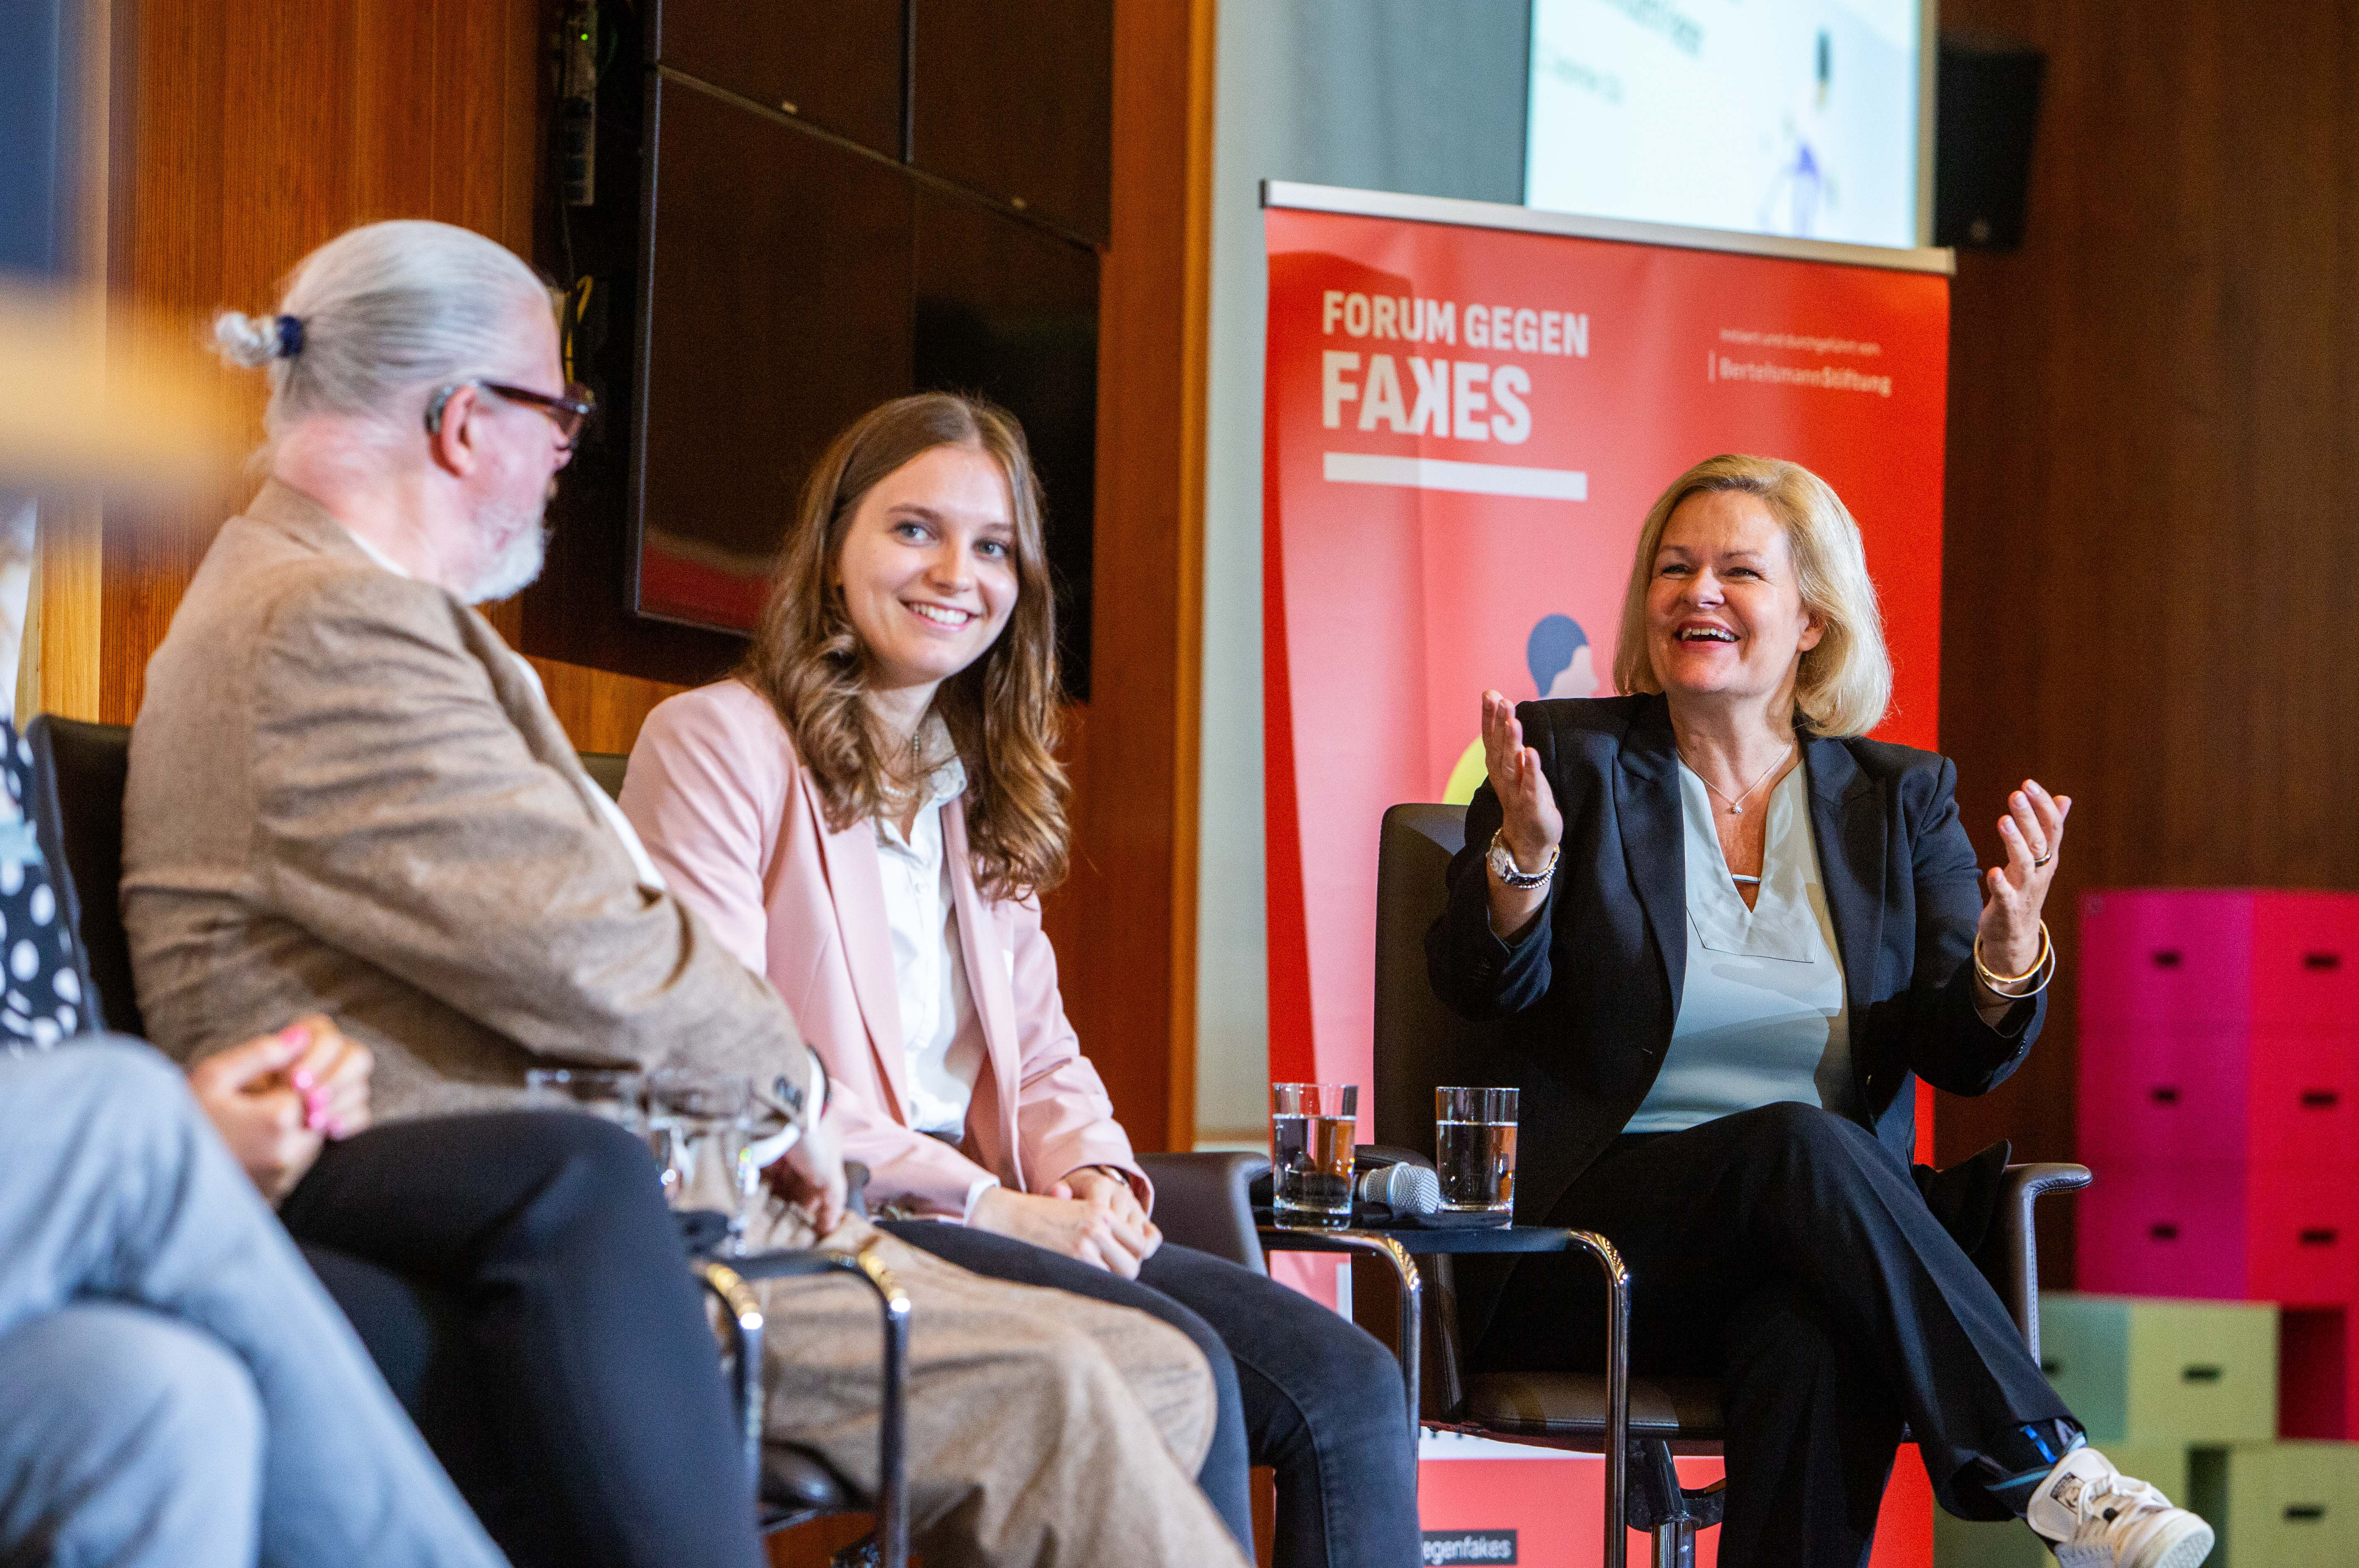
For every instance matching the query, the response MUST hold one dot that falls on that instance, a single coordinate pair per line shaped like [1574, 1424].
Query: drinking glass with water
[1474, 1148]
[1311, 1127]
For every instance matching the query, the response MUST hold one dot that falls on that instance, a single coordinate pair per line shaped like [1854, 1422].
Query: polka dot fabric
[42, 1001]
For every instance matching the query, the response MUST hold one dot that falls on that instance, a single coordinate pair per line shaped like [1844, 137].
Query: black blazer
[1590, 991]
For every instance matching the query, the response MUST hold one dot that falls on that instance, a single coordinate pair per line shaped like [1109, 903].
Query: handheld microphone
[1410, 1189]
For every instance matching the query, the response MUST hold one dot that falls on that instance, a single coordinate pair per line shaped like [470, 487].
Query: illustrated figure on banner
[1803, 181]
[1559, 655]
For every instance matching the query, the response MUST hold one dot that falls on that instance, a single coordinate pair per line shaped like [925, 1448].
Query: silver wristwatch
[1503, 865]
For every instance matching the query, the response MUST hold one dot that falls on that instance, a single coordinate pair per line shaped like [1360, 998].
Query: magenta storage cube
[2305, 962]
[2255, 1231]
[2175, 958]
[2304, 1102]
[2219, 1095]
[2189, 959]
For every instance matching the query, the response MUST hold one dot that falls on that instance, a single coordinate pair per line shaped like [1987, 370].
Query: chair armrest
[2010, 1257]
[727, 1277]
[743, 1311]
[1201, 1202]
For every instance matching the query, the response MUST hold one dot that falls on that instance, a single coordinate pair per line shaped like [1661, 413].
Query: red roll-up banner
[1469, 410]
[1465, 427]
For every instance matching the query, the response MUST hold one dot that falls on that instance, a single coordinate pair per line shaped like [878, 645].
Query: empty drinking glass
[612, 1094]
[1310, 1135]
[698, 1125]
[1474, 1148]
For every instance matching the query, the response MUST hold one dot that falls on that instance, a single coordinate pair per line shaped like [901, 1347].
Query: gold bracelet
[1998, 983]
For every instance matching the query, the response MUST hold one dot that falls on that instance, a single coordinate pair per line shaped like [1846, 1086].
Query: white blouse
[941, 1033]
[1762, 1016]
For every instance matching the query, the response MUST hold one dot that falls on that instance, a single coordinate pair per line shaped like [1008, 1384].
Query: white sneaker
[2092, 1516]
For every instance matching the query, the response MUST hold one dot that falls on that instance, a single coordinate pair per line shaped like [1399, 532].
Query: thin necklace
[1736, 807]
[893, 790]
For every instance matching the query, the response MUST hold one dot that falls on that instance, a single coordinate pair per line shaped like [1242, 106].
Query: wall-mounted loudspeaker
[1987, 109]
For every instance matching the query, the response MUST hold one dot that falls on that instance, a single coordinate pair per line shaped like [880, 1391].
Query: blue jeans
[189, 1395]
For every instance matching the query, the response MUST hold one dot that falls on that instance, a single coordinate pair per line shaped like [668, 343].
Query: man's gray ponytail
[378, 317]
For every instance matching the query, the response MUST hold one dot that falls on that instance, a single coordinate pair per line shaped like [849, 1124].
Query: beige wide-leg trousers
[1045, 1430]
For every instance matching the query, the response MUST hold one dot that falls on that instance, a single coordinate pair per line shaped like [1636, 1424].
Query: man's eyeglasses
[568, 413]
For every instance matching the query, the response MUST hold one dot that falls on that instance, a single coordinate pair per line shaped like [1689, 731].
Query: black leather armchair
[1419, 1043]
[1202, 1201]
[78, 773]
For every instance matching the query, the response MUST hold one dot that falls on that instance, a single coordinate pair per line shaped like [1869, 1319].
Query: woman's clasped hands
[279, 1099]
[1092, 1214]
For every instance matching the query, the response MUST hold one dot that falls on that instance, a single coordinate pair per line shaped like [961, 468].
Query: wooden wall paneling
[2154, 429]
[168, 133]
[58, 664]
[1129, 911]
[1188, 586]
[245, 133]
[602, 711]
[1066, 919]
[62, 622]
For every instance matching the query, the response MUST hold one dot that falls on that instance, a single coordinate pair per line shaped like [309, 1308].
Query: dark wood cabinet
[764, 264]
[1009, 310]
[776, 310]
[836, 63]
[1015, 99]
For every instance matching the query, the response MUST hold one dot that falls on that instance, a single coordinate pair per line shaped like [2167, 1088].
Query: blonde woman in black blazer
[1730, 935]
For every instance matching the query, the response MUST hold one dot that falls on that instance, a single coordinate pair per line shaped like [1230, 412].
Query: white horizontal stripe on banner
[1470, 479]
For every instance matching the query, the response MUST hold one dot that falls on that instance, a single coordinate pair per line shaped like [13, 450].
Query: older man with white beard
[349, 797]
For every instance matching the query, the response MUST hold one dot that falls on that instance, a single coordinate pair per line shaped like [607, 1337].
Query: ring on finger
[2040, 859]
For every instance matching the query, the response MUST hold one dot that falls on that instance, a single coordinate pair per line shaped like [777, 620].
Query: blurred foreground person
[180, 1393]
[869, 812]
[1729, 934]
[393, 831]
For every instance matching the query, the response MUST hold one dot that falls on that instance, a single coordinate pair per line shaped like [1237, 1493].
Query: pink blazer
[737, 825]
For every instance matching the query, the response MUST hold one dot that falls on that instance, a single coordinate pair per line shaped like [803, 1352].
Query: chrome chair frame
[728, 1280]
[1410, 1327]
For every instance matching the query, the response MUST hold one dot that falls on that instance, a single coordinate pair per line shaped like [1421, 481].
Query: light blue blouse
[1762, 1016]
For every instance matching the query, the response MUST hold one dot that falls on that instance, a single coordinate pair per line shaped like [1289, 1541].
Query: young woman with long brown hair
[868, 813]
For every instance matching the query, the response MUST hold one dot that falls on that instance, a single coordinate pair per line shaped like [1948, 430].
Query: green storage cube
[2009, 1543]
[2280, 1505]
[2146, 1370]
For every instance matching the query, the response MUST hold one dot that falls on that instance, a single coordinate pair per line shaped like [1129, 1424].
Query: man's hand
[812, 1174]
[277, 1099]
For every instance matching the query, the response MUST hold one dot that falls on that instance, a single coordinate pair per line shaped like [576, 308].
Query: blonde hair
[1002, 710]
[1845, 683]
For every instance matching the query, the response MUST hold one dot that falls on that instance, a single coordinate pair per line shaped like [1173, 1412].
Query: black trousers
[525, 1289]
[1301, 1390]
[1785, 1251]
